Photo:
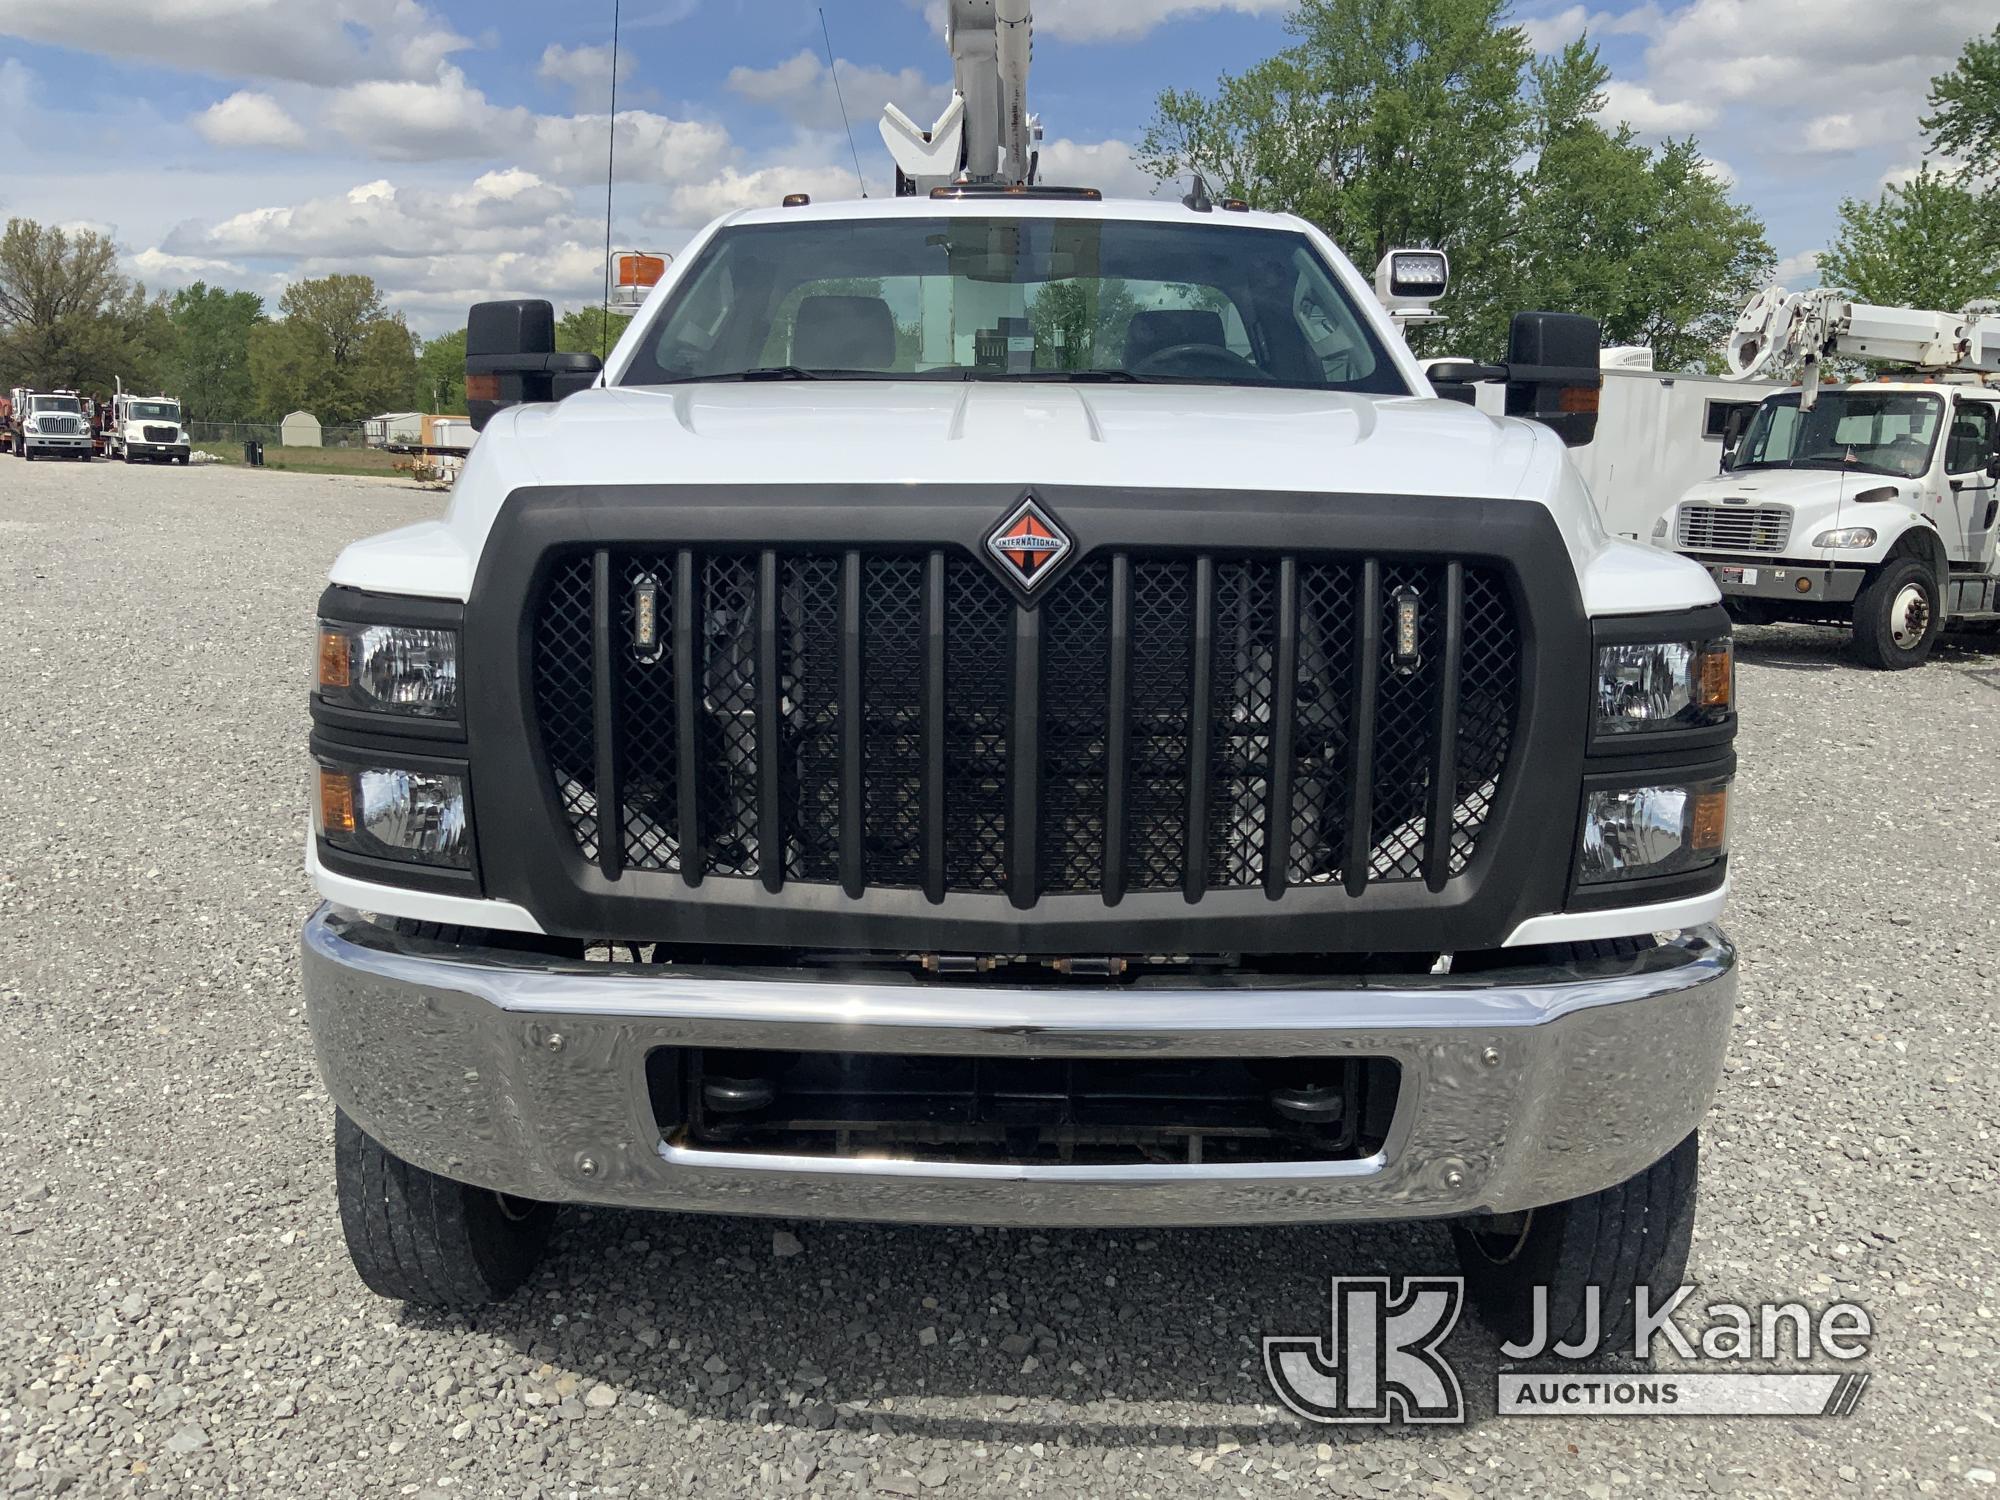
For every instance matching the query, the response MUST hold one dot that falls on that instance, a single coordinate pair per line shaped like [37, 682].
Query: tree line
[70, 320]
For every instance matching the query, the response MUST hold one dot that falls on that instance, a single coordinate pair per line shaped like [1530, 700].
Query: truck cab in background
[49, 423]
[1872, 505]
[147, 429]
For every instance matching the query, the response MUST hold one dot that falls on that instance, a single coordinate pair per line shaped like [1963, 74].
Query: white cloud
[449, 119]
[1798, 270]
[161, 271]
[802, 90]
[1719, 172]
[324, 42]
[730, 190]
[585, 72]
[1552, 33]
[247, 119]
[380, 220]
[1107, 165]
[1636, 105]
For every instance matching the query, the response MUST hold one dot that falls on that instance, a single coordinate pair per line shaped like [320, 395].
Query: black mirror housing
[511, 360]
[1555, 373]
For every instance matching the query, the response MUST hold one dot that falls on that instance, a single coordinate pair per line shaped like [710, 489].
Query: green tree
[68, 317]
[1080, 325]
[208, 365]
[1964, 118]
[441, 374]
[1928, 243]
[1387, 122]
[584, 331]
[337, 352]
[1425, 122]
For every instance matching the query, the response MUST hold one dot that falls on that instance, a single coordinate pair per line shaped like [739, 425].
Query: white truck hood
[918, 432]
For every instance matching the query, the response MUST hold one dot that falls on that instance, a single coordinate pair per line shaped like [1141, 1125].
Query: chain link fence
[233, 435]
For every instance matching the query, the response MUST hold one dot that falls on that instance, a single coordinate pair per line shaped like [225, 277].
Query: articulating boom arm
[986, 135]
[1799, 329]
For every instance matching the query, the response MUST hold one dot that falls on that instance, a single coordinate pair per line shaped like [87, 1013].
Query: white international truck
[50, 424]
[995, 706]
[1872, 504]
[146, 429]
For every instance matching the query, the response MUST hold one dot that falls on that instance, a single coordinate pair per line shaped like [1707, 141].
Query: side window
[1971, 442]
[1779, 437]
[1715, 420]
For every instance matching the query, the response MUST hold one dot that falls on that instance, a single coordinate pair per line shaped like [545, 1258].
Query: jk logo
[1379, 1361]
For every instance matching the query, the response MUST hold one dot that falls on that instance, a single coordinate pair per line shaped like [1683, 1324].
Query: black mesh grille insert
[933, 747]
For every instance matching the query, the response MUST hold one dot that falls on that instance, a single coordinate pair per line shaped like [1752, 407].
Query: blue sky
[454, 149]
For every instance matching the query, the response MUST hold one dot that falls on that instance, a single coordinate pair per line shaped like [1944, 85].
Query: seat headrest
[844, 333]
[1163, 329]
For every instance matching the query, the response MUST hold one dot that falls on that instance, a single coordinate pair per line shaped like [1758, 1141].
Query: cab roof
[1028, 205]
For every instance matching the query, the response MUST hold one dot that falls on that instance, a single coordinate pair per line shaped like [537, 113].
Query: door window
[1971, 446]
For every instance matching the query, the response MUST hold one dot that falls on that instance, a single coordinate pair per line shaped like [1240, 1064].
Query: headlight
[386, 812]
[1667, 685]
[1848, 536]
[1642, 832]
[389, 669]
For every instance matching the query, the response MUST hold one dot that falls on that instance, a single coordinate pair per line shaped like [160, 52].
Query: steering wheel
[1197, 359]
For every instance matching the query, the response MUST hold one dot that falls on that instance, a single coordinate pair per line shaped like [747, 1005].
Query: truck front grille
[899, 721]
[160, 434]
[1735, 528]
[61, 427]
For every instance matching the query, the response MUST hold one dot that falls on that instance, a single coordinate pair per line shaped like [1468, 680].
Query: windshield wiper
[1063, 377]
[782, 372]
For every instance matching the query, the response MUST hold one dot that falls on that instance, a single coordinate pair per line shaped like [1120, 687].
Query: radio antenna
[833, 68]
[610, 181]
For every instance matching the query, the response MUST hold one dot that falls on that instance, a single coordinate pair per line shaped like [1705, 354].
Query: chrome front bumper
[528, 1076]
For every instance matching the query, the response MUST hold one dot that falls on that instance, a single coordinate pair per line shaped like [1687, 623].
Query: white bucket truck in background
[1872, 504]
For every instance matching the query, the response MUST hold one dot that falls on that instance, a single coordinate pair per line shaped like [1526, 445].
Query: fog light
[1642, 833]
[396, 813]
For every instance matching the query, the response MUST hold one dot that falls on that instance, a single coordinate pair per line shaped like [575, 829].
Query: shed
[300, 430]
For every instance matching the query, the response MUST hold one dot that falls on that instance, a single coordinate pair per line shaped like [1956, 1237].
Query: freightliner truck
[999, 707]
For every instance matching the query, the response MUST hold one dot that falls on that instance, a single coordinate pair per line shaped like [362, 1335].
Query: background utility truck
[1873, 504]
[146, 429]
[1000, 707]
[50, 423]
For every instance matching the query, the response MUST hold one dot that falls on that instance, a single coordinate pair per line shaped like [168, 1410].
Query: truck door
[1975, 495]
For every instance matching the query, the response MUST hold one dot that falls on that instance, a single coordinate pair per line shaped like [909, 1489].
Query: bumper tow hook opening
[738, 1096]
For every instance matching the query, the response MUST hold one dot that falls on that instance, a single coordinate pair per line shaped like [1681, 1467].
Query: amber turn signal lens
[336, 802]
[336, 659]
[1715, 684]
[1710, 834]
[482, 387]
[1580, 400]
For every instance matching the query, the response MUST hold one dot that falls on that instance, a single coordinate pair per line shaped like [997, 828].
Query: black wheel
[1899, 616]
[1632, 1235]
[418, 1237]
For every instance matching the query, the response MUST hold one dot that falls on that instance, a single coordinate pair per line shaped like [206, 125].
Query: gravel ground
[177, 1314]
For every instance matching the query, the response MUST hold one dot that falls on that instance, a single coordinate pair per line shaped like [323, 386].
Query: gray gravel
[177, 1315]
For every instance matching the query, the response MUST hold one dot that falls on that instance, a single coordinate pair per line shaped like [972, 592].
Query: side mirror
[511, 360]
[1555, 373]
[1454, 379]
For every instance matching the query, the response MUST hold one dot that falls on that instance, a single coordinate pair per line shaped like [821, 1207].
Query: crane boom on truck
[1787, 329]
[1873, 503]
[986, 135]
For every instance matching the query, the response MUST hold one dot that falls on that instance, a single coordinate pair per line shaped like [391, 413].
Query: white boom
[1787, 329]
[986, 134]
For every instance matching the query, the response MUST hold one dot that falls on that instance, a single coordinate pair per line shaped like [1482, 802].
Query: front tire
[1618, 1240]
[417, 1237]
[1899, 616]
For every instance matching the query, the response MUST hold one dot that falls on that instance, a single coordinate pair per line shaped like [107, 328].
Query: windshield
[1013, 299]
[153, 411]
[55, 404]
[1869, 432]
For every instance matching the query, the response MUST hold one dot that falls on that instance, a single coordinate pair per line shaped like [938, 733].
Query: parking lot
[177, 1313]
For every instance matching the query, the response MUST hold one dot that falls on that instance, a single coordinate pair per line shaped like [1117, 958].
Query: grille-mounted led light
[1409, 654]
